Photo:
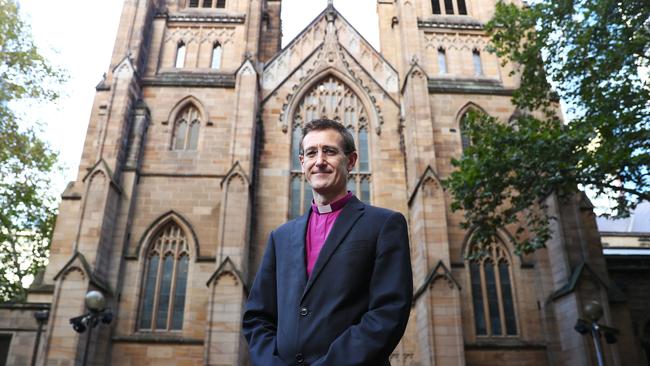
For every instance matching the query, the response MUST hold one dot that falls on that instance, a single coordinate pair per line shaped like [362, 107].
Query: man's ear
[302, 162]
[352, 160]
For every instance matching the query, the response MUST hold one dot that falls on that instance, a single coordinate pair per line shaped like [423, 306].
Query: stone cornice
[208, 80]
[505, 344]
[204, 18]
[450, 23]
[467, 86]
[25, 306]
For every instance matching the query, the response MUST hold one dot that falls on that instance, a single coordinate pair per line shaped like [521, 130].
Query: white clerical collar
[334, 206]
[324, 209]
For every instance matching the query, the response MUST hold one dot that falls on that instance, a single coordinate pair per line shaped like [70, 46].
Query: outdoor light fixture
[97, 312]
[41, 317]
[594, 311]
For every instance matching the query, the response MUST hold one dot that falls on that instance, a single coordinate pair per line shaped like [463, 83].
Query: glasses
[326, 151]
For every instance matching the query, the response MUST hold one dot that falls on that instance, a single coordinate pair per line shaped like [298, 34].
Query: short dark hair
[328, 124]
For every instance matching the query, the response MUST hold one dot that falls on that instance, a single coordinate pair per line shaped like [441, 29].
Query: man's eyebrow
[324, 147]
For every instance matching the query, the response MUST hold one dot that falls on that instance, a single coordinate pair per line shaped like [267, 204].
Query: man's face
[324, 162]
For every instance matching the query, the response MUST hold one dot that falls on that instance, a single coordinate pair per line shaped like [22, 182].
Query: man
[334, 287]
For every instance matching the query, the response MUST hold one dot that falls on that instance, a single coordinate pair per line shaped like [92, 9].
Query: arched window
[435, 6]
[165, 281]
[462, 8]
[464, 135]
[216, 56]
[492, 293]
[476, 59]
[442, 61]
[330, 99]
[180, 55]
[451, 7]
[186, 129]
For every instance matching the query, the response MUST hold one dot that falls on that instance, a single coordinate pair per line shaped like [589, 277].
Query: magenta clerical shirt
[319, 226]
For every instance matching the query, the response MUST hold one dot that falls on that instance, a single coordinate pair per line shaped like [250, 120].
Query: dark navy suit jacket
[352, 310]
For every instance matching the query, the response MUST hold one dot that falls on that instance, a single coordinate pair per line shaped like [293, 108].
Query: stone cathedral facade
[190, 162]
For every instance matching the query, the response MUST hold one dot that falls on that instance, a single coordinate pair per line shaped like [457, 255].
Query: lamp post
[594, 311]
[97, 311]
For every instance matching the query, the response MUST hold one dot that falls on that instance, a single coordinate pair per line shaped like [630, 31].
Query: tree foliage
[591, 54]
[27, 208]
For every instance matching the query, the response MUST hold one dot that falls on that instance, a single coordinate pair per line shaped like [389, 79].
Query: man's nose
[320, 157]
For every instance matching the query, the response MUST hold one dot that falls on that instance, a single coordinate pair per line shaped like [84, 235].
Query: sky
[79, 35]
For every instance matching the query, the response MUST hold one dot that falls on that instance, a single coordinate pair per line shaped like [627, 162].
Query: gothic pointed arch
[188, 116]
[164, 281]
[332, 98]
[295, 99]
[415, 72]
[492, 290]
[101, 168]
[428, 177]
[439, 272]
[460, 119]
[236, 171]
[79, 263]
[504, 237]
[159, 223]
[227, 268]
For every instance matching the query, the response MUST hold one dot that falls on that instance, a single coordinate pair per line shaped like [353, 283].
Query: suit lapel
[297, 250]
[350, 214]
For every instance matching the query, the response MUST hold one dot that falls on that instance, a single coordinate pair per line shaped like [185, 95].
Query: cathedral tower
[191, 160]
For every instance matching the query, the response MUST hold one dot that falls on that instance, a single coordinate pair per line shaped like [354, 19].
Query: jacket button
[303, 312]
[300, 358]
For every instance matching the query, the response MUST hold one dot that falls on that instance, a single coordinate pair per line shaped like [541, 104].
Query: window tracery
[330, 99]
[186, 129]
[492, 292]
[165, 281]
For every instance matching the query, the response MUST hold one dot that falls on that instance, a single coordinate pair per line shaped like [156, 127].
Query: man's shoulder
[378, 212]
[286, 228]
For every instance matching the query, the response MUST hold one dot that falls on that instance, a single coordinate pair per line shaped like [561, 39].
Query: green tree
[591, 54]
[27, 208]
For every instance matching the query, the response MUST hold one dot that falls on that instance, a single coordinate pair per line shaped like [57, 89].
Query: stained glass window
[492, 293]
[165, 285]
